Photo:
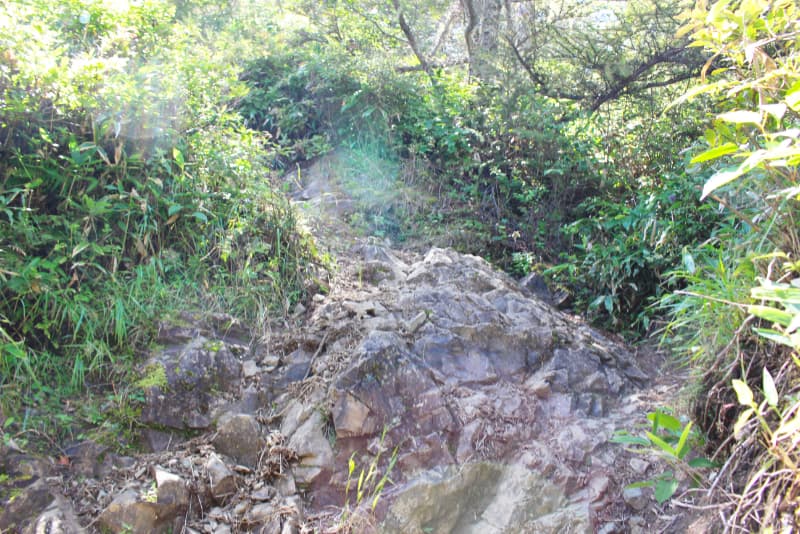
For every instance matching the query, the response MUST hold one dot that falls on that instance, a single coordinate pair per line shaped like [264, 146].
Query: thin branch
[412, 41]
[433, 65]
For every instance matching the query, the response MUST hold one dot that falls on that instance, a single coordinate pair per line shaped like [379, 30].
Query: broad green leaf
[744, 417]
[682, 448]
[629, 440]
[773, 315]
[776, 337]
[608, 302]
[777, 292]
[665, 489]
[699, 90]
[791, 133]
[743, 392]
[175, 208]
[688, 263]
[661, 444]
[770, 391]
[178, 155]
[200, 216]
[79, 248]
[641, 484]
[663, 420]
[700, 462]
[721, 178]
[793, 97]
[741, 117]
[716, 152]
[103, 155]
[776, 110]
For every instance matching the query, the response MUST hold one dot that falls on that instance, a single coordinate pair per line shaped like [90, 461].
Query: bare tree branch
[444, 29]
[433, 65]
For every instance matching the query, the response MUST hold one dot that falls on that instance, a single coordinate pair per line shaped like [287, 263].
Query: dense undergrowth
[140, 146]
[129, 189]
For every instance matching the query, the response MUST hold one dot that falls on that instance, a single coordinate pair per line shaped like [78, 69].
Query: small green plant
[673, 441]
[369, 484]
[154, 376]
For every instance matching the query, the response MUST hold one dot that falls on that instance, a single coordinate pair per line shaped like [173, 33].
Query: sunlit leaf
[775, 336]
[770, 391]
[741, 117]
[627, 439]
[743, 392]
[663, 420]
[688, 263]
[721, 178]
[777, 292]
[716, 152]
[682, 448]
[789, 428]
[794, 324]
[773, 315]
[793, 97]
[776, 110]
[661, 444]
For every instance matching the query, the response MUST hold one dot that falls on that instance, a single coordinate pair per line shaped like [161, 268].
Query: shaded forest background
[642, 155]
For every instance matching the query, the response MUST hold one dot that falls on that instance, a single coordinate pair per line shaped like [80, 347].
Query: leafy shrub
[752, 152]
[624, 252]
[126, 183]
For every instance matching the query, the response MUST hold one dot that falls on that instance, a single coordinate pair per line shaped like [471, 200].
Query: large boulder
[28, 504]
[188, 379]
[482, 370]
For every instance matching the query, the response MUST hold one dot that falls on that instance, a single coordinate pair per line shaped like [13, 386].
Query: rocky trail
[424, 393]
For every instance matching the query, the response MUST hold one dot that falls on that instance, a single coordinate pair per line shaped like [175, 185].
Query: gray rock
[639, 466]
[483, 499]
[295, 415]
[609, 528]
[31, 497]
[314, 451]
[128, 511]
[58, 518]
[262, 513]
[285, 484]
[536, 284]
[250, 368]
[416, 322]
[223, 482]
[27, 502]
[159, 440]
[273, 526]
[172, 492]
[264, 494]
[239, 436]
[195, 374]
[635, 498]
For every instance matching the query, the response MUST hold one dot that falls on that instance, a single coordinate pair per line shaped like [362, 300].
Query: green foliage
[127, 183]
[751, 154]
[366, 487]
[673, 441]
